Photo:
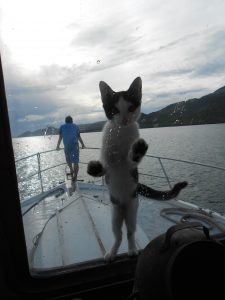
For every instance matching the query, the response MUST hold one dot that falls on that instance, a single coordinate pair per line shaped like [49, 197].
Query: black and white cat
[122, 151]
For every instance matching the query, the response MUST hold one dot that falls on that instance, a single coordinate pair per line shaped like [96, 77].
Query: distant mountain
[93, 127]
[39, 132]
[209, 109]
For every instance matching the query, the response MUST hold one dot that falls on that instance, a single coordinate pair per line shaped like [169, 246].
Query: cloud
[32, 118]
[212, 68]
[177, 47]
[109, 45]
[46, 97]
[213, 62]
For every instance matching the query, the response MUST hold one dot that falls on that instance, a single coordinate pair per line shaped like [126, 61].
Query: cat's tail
[161, 195]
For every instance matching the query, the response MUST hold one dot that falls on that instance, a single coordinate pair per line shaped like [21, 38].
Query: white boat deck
[78, 230]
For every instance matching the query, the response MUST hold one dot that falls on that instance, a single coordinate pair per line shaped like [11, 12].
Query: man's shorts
[72, 154]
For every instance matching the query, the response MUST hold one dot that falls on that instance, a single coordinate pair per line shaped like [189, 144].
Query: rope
[187, 213]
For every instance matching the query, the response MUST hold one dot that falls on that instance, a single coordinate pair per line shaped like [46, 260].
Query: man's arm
[59, 141]
[81, 141]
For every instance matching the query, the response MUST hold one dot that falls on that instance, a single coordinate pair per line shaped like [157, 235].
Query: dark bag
[183, 263]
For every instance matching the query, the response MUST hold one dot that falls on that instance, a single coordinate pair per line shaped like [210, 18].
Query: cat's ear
[135, 89]
[106, 91]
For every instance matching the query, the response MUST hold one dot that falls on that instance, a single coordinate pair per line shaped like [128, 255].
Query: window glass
[54, 55]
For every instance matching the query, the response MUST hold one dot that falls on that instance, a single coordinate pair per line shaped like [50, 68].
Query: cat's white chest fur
[117, 141]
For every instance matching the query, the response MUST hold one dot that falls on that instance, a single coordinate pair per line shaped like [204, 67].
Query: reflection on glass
[53, 60]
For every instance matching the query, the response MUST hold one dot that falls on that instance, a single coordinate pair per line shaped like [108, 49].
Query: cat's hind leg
[131, 221]
[117, 222]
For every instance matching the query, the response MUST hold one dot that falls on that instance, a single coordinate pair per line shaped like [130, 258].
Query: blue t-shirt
[70, 133]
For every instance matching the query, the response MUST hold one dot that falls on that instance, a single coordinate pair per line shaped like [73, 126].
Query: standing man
[70, 134]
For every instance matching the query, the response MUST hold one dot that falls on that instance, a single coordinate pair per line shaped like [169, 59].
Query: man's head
[69, 119]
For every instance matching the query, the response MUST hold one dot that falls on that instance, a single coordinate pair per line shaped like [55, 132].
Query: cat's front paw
[95, 168]
[139, 148]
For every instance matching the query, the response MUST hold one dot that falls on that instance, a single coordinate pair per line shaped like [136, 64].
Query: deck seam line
[103, 250]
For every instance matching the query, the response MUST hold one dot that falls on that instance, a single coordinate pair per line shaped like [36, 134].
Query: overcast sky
[55, 53]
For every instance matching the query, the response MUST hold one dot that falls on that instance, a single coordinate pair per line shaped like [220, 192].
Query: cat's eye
[132, 108]
[114, 111]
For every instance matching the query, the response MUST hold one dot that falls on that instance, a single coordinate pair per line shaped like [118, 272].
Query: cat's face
[122, 107]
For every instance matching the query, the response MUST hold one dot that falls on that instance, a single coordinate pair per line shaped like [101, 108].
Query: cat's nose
[125, 121]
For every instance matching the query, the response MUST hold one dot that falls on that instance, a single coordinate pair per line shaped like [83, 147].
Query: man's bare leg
[75, 171]
[70, 167]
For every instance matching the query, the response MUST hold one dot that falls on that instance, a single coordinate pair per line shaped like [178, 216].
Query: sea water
[202, 143]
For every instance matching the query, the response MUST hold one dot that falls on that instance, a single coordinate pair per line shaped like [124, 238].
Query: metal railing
[40, 170]
[159, 158]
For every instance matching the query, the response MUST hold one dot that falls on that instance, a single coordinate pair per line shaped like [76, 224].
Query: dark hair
[69, 119]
